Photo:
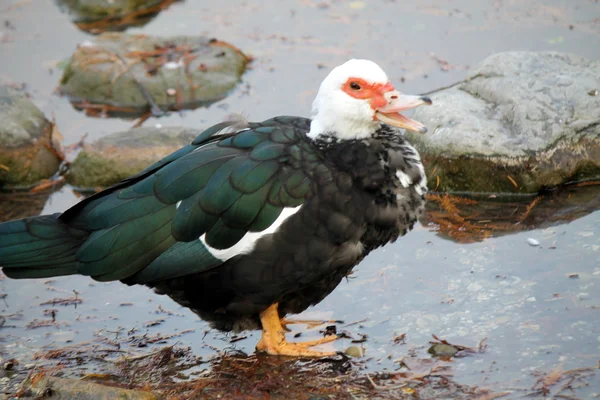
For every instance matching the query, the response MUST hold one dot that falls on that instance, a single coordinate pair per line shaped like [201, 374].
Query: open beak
[390, 113]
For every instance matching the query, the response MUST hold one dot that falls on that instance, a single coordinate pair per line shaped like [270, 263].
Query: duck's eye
[354, 86]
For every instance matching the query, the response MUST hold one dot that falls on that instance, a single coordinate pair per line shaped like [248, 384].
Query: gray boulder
[120, 155]
[519, 123]
[26, 141]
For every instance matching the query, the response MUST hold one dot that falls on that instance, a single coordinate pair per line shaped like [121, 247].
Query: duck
[252, 221]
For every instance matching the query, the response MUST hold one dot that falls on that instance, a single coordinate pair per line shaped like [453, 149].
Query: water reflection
[23, 203]
[477, 217]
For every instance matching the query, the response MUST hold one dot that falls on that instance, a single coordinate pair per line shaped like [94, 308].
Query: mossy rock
[26, 141]
[521, 122]
[120, 74]
[97, 16]
[93, 10]
[120, 155]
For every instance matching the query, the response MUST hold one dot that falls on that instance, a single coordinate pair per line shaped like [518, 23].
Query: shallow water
[520, 297]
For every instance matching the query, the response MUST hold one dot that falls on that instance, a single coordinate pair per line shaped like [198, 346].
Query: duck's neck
[323, 125]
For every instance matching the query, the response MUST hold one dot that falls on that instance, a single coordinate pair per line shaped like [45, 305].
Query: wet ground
[533, 296]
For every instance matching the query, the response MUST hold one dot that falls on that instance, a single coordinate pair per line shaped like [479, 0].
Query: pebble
[442, 350]
[533, 242]
[354, 351]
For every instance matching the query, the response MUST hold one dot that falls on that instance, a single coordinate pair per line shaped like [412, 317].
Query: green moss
[586, 170]
[21, 171]
[91, 169]
[468, 174]
[24, 134]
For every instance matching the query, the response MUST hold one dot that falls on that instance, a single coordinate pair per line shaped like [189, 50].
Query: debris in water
[533, 242]
[400, 339]
[41, 323]
[63, 301]
[363, 338]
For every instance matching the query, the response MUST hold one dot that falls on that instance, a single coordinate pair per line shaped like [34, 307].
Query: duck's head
[356, 98]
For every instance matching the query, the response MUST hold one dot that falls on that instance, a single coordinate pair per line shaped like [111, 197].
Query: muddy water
[538, 306]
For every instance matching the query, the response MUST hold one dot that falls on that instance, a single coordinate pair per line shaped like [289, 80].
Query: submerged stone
[97, 16]
[26, 141]
[442, 350]
[519, 123]
[42, 387]
[120, 155]
[120, 74]
[354, 351]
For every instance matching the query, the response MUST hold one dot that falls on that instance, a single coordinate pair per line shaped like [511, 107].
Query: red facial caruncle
[386, 102]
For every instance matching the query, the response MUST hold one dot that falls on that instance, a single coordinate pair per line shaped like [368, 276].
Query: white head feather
[336, 113]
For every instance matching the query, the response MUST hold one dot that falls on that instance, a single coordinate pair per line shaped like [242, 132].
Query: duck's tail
[39, 247]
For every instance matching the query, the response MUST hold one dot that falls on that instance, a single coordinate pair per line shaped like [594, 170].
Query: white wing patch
[405, 180]
[248, 242]
[421, 186]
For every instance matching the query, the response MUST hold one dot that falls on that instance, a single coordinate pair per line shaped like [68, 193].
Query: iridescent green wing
[147, 228]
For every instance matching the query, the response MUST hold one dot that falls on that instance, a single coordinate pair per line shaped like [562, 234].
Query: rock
[120, 155]
[442, 350]
[520, 122]
[26, 140]
[129, 75]
[42, 387]
[354, 351]
[96, 16]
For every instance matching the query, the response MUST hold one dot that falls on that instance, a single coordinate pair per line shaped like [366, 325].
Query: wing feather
[147, 228]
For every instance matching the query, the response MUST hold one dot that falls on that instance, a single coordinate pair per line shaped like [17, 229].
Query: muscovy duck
[251, 221]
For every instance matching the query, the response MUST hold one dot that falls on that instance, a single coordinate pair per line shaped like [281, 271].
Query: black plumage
[236, 221]
[228, 185]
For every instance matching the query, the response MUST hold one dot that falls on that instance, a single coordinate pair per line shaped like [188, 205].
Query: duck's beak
[396, 102]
